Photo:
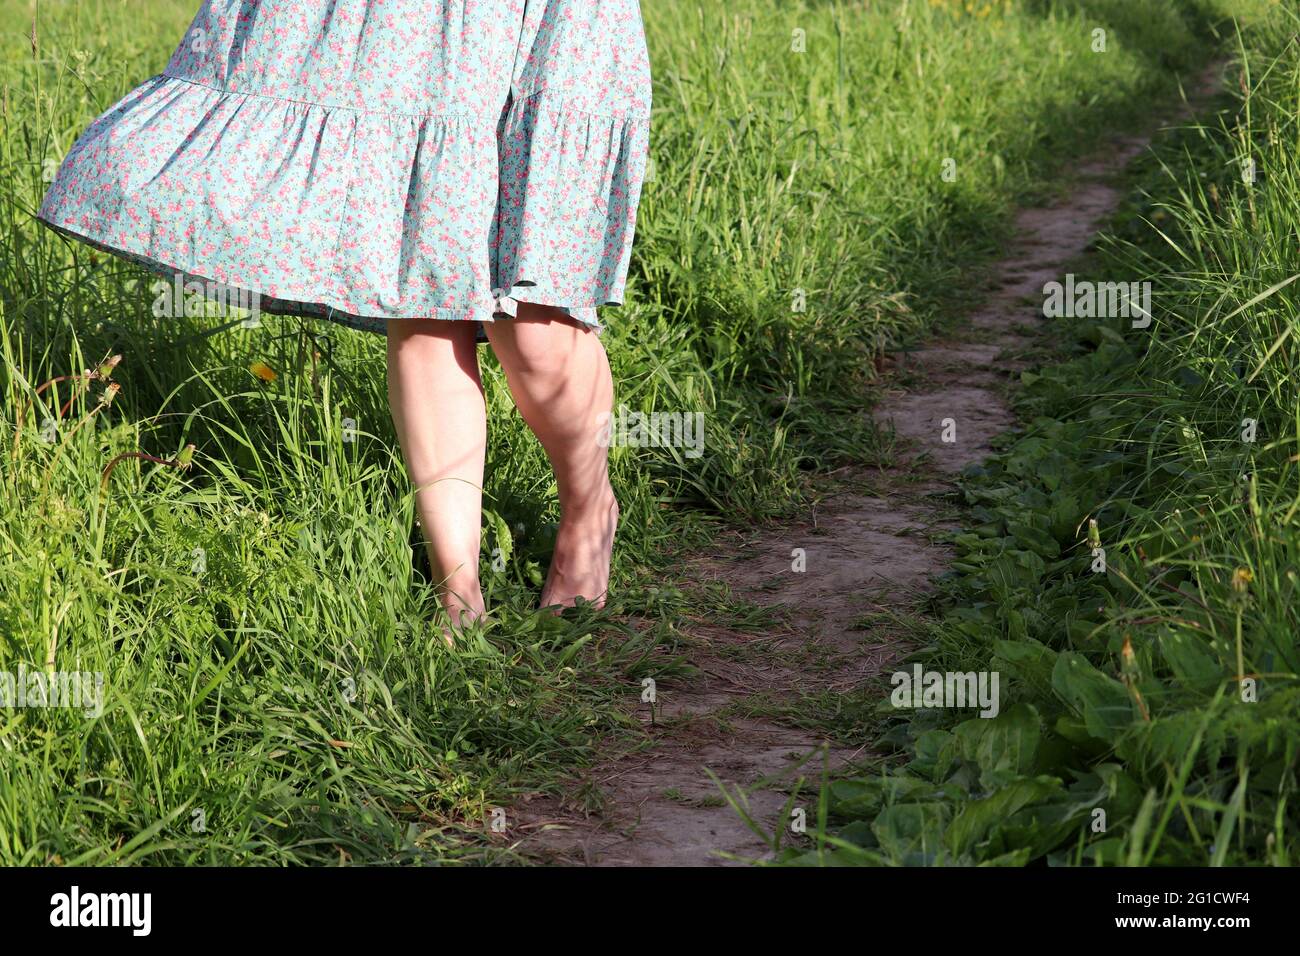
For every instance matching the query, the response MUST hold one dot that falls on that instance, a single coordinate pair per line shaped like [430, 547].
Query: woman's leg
[559, 377]
[436, 398]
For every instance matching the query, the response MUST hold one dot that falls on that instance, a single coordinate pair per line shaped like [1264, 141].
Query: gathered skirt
[372, 160]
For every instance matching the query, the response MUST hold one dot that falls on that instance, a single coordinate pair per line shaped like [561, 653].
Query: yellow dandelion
[263, 371]
[1241, 579]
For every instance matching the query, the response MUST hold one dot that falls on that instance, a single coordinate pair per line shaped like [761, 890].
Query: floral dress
[370, 160]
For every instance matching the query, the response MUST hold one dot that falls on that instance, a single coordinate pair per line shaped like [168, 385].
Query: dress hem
[504, 306]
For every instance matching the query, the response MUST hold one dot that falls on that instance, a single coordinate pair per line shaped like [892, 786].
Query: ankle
[598, 505]
[462, 598]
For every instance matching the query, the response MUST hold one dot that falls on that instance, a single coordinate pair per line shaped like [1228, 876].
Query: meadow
[276, 690]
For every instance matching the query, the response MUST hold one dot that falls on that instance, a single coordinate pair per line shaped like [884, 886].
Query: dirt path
[869, 550]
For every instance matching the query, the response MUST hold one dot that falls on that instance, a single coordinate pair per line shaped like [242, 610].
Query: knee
[534, 350]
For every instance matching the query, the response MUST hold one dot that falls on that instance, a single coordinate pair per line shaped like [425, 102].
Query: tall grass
[1151, 702]
[276, 691]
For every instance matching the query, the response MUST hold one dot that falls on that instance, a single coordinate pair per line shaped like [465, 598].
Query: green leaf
[1101, 701]
[502, 544]
[907, 831]
[1224, 835]
[933, 754]
[1026, 660]
[1006, 743]
[1187, 657]
[980, 818]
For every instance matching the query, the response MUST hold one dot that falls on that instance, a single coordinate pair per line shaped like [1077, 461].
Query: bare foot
[464, 605]
[584, 545]
[461, 620]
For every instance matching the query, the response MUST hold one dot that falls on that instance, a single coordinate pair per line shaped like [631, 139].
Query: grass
[1129, 560]
[275, 688]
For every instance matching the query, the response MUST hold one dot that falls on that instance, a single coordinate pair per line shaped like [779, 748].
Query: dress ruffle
[362, 216]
